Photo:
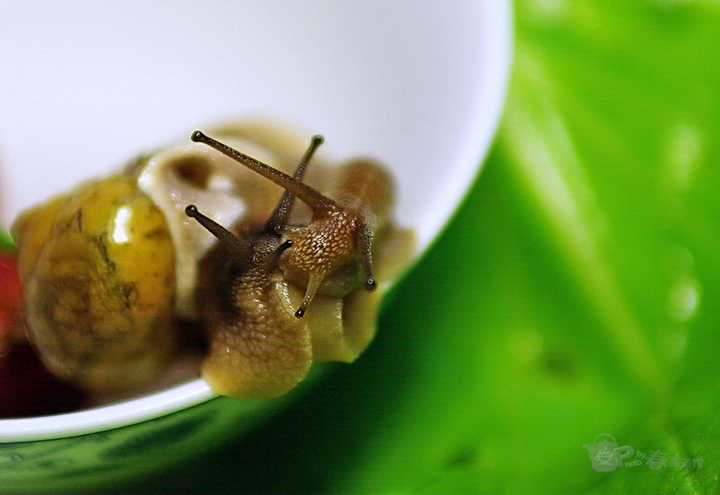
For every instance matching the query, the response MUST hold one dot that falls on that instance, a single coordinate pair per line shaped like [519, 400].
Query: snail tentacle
[335, 235]
[310, 196]
[282, 211]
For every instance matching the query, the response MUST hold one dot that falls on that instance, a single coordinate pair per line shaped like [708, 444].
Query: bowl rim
[103, 418]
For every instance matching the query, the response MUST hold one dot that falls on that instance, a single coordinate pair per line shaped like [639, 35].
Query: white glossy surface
[86, 86]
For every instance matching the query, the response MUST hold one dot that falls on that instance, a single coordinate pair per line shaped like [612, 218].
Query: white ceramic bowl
[87, 86]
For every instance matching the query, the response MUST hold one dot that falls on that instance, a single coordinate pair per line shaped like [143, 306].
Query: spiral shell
[98, 270]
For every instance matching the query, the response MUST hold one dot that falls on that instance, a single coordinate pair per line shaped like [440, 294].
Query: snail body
[257, 348]
[261, 344]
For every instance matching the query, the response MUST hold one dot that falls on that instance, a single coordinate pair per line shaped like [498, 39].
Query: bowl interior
[418, 86]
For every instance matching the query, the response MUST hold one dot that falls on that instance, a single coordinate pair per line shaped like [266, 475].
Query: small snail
[110, 268]
[260, 346]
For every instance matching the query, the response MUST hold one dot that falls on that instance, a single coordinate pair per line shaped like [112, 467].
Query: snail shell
[97, 268]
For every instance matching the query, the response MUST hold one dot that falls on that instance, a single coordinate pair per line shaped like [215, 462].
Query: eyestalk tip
[198, 136]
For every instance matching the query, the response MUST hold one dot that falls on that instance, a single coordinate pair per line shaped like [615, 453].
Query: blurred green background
[575, 293]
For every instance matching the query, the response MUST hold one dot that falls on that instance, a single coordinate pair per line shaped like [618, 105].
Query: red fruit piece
[10, 296]
[26, 387]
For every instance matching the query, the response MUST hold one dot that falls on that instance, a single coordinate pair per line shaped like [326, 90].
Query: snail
[260, 345]
[110, 268]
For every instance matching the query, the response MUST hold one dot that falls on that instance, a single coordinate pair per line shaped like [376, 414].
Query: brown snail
[112, 266]
[260, 343]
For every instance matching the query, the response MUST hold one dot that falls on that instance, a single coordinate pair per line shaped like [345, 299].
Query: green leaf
[579, 282]
[6, 243]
